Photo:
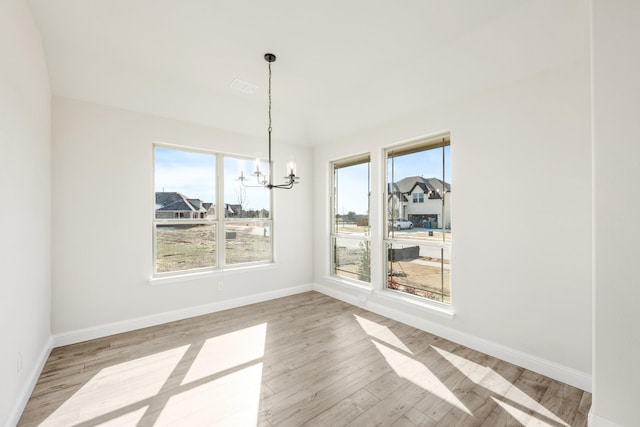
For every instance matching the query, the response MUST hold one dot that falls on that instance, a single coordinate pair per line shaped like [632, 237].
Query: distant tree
[241, 197]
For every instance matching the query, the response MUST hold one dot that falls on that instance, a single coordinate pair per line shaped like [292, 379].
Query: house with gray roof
[173, 205]
[426, 202]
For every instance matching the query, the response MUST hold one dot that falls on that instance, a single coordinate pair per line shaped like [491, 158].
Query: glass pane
[418, 194]
[185, 247]
[422, 232]
[184, 184]
[251, 200]
[352, 199]
[247, 241]
[420, 270]
[352, 259]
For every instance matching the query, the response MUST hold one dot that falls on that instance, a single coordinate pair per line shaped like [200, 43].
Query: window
[185, 189]
[247, 214]
[418, 256]
[350, 230]
[190, 232]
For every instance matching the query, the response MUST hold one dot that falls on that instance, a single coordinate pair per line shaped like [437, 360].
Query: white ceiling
[343, 65]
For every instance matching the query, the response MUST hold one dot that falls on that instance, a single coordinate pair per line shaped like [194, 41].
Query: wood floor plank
[307, 359]
[562, 400]
[385, 385]
[414, 418]
[391, 407]
[582, 415]
[344, 411]
[316, 366]
[448, 378]
[494, 379]
[319, 395]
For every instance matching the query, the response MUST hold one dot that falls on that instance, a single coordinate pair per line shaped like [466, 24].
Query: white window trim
[346, 162]
[210, 274]
[219, 221]
[382, 290]
[350, 283]
[441, 309]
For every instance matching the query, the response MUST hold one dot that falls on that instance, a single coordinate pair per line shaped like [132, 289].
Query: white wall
[616, 152]
[521, 259]
[25, 151]
[102, 189]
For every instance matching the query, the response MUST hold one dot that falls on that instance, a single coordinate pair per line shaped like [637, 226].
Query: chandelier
[264, 180]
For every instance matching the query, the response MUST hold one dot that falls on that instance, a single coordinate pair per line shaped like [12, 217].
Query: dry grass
[186, 247]
[429, 281]
[413, 278]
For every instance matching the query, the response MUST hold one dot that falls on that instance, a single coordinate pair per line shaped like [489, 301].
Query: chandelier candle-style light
[263, 179]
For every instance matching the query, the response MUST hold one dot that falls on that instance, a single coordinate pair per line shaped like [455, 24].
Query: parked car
[400, 224]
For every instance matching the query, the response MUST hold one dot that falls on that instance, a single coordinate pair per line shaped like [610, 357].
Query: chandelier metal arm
[292, 180]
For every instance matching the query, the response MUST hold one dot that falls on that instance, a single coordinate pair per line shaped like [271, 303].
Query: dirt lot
[423, 276]
[187, 247]
[429, 281]
[412, 278]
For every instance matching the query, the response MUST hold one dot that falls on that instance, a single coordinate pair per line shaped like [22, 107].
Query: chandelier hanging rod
[291, 177]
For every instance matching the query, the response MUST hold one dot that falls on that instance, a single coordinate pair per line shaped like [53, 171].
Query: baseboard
[553, 370]
[342, 296]
[596, 421]
[30, 384]
[100, 331]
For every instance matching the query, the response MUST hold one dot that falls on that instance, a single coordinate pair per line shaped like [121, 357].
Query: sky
[352, 181]
[187, 172]
[193, 174]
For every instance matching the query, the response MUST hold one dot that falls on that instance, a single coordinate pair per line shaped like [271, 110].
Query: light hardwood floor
[307, 359]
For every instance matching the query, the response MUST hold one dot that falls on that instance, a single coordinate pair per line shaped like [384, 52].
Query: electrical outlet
[19, 367]
[220, 286]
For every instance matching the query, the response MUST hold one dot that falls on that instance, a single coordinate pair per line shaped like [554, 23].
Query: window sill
[186, 277]
[441, 310]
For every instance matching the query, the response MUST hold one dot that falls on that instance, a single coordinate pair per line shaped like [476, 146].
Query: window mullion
[350, 239]
[219, 219]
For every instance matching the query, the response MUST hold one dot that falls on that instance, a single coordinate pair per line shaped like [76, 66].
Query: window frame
[219, 221]
[389, 238]
[334, 234]
[235, 220]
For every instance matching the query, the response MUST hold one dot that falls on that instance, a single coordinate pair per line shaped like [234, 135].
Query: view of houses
[426, 202]
[174, 205]
[415, 199]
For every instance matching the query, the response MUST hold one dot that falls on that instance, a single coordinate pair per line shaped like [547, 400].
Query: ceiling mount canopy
[266, 180]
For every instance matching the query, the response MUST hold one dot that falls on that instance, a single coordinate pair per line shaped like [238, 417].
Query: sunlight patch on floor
[116, 387]
[491, 380]
[381, 332]
[416, 372]
[231, 400]
[228, 351]
[522, 417]
[129, 419]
